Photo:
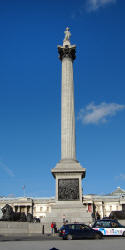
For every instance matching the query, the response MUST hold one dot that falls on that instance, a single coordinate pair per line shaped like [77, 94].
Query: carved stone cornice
[67, 51]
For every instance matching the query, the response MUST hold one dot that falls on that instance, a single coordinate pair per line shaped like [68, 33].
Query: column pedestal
[68, 201]
[68, 175]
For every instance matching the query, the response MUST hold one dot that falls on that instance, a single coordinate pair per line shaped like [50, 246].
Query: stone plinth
[68, 174]
[68, 212]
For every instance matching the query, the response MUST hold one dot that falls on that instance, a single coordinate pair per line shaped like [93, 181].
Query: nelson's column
[68, 172]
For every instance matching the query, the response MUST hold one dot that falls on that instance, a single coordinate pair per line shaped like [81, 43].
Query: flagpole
[24, 187]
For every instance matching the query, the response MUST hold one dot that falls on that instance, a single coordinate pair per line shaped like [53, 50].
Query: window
[28, 209]
[16, 209]
[22, 209]
[103, 224]
[77, 227]
[41, 209]
[114, 224]
[123, 207]
[84, 227]
[71, 226]
[89, 207]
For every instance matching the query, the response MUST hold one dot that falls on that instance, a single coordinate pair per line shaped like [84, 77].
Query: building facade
[40, 207]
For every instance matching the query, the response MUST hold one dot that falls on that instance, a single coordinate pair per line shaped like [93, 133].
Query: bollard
[43, 229]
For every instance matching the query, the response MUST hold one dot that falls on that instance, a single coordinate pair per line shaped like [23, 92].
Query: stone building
[40, 207]
[105, 204]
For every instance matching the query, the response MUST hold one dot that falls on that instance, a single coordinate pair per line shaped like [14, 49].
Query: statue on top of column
[67, 36]
[67, 50]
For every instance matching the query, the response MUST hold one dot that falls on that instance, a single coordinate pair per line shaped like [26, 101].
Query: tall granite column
[67, 55]
[68, 172]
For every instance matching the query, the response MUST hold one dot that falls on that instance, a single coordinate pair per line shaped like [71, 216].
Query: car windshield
[84, 227]
[75, 226]
[107, 224]
[120, 225]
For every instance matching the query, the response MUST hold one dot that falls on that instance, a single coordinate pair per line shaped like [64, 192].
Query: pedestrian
[97, 216]
[52, 228]
[55, 228]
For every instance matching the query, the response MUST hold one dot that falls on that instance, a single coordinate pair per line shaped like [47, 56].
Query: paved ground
[24, 237]
[37, 243]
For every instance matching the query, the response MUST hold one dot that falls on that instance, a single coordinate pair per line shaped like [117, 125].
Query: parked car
[78, 231]
[119, 215]
[109, 227]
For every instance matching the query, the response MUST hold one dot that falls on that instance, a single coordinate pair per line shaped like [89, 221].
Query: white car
[109, 227]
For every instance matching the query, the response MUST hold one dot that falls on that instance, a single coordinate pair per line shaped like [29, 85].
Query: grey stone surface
[20, 228]
[112, 244]
[70, 212]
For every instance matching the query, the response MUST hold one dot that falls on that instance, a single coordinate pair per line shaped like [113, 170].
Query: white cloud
[95, 114]
[6, 169]
[93, 5]
[122, 176]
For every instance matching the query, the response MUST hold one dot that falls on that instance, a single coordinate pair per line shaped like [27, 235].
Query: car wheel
[98, 236]
[69, 237]
[123, 234]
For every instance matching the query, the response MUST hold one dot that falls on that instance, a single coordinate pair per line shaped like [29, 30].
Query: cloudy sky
[30, 90]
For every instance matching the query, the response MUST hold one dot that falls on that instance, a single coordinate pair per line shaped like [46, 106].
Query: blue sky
[30, 89]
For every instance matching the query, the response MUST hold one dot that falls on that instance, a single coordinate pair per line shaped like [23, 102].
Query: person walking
[52, 228]
[55, 228]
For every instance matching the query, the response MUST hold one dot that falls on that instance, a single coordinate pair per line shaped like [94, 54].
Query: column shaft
[67, 111]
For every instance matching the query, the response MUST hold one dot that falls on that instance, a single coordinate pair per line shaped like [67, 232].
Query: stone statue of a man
[67, 34]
